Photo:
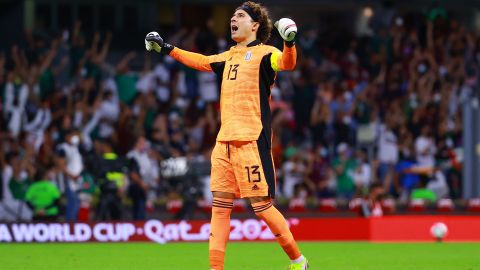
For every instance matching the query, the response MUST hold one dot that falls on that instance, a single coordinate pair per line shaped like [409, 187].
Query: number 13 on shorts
[252, 182]
[253, 173]
[257, 172]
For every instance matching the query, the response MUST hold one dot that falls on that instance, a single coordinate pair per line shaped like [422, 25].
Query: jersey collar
[254, 43]
[251, 44]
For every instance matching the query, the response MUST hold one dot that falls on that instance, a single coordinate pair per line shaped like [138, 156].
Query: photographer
[110, 171]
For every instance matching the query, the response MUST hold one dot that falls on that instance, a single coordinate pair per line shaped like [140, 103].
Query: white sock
[299, 259]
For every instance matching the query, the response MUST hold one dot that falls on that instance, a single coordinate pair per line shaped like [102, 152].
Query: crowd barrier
[384, 229]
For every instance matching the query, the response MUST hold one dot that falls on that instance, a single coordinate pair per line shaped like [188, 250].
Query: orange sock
[279, 227]
[219, 231]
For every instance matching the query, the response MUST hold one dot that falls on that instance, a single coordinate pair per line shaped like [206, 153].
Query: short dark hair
[42, 172]
[259, 14]
[375, 185]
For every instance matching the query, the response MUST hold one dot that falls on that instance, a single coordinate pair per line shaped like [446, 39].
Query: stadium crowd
[380, 108]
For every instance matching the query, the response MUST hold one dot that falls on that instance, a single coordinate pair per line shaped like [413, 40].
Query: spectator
[425, 148]
[15, 182]
[371, 206]
[15, 100]
[72, 168]
[143, 191]
[293, 171]
[362, 176]
[43, 197]
[421, 192]
[345, 167]
[39, 124]
[438, 184]
[407, 79]
[387, 152]
[319, 173]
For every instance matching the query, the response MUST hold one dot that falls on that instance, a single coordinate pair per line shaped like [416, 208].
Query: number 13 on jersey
[232, 72]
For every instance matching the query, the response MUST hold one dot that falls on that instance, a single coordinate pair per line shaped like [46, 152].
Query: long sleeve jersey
[248, 74]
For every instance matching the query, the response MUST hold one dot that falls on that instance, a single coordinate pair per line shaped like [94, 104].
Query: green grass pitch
[261, 256]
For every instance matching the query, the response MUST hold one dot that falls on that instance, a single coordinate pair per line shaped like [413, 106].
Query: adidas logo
[255, 187]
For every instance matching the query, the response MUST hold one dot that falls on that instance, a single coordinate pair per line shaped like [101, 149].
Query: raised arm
[197, 61]
[194, 60]
[287, 59]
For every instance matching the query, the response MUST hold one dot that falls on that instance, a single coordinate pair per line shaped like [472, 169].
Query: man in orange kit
[242, 164]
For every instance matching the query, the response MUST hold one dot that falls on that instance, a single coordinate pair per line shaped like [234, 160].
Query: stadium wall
[385, 229]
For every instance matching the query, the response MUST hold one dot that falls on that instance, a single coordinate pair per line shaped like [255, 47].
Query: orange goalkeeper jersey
[248, 74]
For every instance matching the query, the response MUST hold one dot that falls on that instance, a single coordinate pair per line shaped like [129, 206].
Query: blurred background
[379, 117]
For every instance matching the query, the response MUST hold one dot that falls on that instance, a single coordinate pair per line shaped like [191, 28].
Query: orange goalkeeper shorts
[243, 168]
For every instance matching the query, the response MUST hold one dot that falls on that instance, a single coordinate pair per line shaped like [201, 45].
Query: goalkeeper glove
[153, 41]
[287, 29]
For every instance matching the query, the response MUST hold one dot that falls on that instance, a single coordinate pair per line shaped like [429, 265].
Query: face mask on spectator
[422, 68]
[443, 71]
[323, 152]
[144, 148]
[413, 100]
[348, 95]
[136, 110]
[75, 140]
[200, 104]
[347, 120]
[55, 135]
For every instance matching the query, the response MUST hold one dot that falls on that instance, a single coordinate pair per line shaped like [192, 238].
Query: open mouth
[234, 28]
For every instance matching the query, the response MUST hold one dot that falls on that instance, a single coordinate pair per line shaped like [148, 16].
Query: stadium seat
[84, 213]
[297, 205]
[205, 206]
[239, 206]
[416, 205]
[445, 205]
[355, 204]
[328, 205]
[388, 206]
[173, 206]
[473, 205]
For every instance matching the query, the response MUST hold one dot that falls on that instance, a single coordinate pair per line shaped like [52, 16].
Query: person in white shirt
[149, 172]
[293, 171]
[16, 95]
[362, 175]
[11, 208]
[109, 112]
[161, 83]
[72, 171]
[36, 128]
[387, 153]
[425, 149]
[208, 87]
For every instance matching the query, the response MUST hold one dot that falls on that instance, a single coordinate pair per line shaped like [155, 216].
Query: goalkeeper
[242, 165]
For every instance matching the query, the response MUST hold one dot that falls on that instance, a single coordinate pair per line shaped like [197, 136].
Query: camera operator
[111, 172]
